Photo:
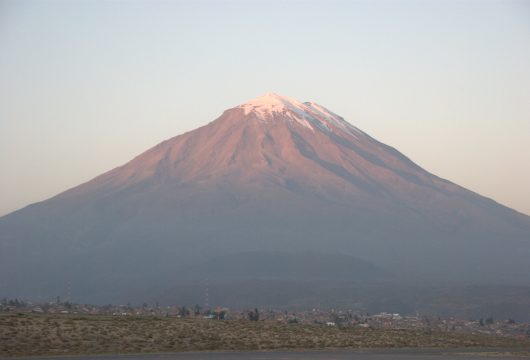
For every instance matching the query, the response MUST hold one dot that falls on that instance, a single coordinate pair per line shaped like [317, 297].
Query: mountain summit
[273, 106]
[288, 184]
[311, 115]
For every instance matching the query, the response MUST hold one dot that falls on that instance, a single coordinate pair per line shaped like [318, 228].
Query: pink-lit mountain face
[270, 176]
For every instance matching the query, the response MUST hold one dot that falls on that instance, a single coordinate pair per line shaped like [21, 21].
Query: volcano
[273, 190]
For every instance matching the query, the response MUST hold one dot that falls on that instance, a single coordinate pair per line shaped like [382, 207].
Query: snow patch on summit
[273, 102]
[307, 114]
[269, 104]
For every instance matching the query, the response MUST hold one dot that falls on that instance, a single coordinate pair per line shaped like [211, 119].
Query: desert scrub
[68, 334]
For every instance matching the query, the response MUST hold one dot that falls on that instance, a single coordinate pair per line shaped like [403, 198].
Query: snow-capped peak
[272, 102]
[308, 114]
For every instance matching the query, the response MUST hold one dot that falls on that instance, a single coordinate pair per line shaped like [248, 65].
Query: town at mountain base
[273, 192]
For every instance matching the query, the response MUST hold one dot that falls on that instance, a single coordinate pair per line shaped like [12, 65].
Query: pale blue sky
[87, 85]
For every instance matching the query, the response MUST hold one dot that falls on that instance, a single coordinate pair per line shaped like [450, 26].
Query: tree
[220, 315]
[253, 315]
[197, 310]
[183, 311]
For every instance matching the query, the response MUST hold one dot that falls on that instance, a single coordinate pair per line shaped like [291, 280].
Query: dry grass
[67, 334]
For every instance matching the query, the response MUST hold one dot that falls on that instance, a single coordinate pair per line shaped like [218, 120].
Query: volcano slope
[290, 183]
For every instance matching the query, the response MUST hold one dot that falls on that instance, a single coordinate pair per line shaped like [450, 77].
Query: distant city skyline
[87, 85]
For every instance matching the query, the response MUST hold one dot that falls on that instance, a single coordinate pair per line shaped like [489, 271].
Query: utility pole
[206, 296]
[68, 291]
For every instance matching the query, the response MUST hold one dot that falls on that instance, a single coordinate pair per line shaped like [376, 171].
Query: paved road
[399, 354]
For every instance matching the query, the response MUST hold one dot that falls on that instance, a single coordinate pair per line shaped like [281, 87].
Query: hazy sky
[87, 85]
